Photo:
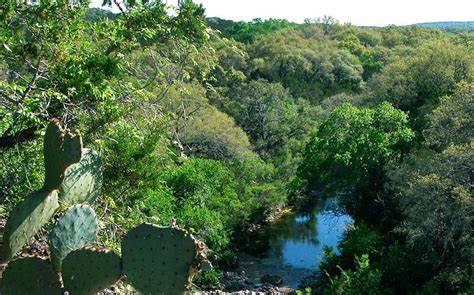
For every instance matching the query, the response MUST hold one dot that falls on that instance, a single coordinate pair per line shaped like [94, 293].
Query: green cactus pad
[61, 149]
[26, 219]
[157, 260]
[53, 140]
[83, 180]
[32, 276]
[76, 229]
[88, 271]
[72, 148]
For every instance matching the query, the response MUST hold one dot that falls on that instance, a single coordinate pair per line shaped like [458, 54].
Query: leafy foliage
[416, 80]
[349, 150]
[452, 121]
[363, 280]
[209, 129]
[309, 69]
[247, 32]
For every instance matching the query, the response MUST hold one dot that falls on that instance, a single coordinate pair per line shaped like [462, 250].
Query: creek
[292, 247]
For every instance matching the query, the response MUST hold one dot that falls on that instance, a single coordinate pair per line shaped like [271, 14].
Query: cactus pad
[26, 219]
[83, 180]
[32, 276]
[61, 149]
[71, 148]
[88, 271]
[157, 260]
[76, 229]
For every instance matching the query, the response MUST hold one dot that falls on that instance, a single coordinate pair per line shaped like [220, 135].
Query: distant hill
[244, 31]
[450, 26]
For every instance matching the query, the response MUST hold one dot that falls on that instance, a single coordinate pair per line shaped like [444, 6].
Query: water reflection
[294, 245]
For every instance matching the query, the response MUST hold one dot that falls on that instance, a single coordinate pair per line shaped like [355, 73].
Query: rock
[285, 290]
[271, 279]
[234, 281]
[310, 281]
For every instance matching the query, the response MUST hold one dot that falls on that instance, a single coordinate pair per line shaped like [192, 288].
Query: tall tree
[348, 152]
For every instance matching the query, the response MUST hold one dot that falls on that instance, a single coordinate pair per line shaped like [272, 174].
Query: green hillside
[451, 26]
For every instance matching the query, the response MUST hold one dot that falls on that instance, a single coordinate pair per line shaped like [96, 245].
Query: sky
[357, 12]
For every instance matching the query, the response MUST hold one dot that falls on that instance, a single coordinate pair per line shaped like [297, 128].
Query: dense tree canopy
[416, 80]
[349, 150]
[452, 121]
[309, 69]
[215, 125]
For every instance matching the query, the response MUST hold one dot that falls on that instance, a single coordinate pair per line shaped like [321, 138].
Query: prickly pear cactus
[71, 148]
[61, 149]
[26, 219]
[87, 271]
[158, 260]
[32, 276]
[74, 230]
[83, 180]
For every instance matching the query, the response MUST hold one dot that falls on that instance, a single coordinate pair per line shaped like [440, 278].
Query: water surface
[294, 244]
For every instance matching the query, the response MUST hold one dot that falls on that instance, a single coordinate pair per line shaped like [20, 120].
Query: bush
[208, 280]
[365, 280]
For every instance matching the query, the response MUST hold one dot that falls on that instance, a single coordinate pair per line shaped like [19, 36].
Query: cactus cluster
[155, 260]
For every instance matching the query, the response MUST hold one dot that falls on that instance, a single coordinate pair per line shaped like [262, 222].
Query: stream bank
[289, 249]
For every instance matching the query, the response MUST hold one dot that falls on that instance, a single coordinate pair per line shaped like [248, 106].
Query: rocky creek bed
[288, 250]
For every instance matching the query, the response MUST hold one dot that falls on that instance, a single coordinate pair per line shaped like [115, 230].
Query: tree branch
[30, 85]
[10, 141]
[7, 97]
[119, 6]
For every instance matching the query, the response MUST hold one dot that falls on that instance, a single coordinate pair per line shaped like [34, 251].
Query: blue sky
[358, 12]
